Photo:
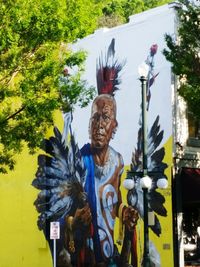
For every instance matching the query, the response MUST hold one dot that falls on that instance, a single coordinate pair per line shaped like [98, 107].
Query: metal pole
[54, 253]
[146, 259]
[144, 123]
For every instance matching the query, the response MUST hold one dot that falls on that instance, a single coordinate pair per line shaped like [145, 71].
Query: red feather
[107, 73]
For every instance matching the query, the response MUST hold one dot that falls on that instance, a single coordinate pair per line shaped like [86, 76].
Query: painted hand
[82, 216]
[130, 217]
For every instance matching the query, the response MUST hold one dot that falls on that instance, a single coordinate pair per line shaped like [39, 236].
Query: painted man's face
[103, 121]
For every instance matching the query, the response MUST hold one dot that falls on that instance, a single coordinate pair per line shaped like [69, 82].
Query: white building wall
[133, 41]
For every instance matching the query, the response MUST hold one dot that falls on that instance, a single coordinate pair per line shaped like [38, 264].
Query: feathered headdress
[107, 71]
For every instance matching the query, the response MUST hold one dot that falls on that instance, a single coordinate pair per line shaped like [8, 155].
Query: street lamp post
[145, 180]
[143, 73]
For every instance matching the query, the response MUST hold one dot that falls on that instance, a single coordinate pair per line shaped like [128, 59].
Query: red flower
[153, 49]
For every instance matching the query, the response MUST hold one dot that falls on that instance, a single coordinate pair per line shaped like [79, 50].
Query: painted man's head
[103, 121]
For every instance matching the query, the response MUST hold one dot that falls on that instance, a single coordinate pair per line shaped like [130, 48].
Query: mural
[80, 188]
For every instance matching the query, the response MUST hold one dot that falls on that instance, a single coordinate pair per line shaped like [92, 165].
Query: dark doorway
[190, 183]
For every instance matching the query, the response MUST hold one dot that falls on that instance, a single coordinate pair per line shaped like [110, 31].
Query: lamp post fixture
[145, 180]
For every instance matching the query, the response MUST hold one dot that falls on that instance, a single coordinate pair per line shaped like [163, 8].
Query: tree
[148, 4]
[184, 54]
[116, 12]
[33, 50]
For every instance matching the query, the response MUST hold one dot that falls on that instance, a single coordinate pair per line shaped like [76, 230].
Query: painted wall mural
[81, 185]
[24, 245]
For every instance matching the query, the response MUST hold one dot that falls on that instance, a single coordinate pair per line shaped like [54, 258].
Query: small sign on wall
[55, 230]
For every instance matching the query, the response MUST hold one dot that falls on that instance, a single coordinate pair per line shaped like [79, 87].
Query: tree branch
[14, 114]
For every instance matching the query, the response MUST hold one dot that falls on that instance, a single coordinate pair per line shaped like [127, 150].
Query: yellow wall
[22, 244]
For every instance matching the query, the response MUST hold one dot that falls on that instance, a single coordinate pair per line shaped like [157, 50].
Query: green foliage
[119, 11]
[184, 54]
[154, 3]
[116, 12]
[33, 50]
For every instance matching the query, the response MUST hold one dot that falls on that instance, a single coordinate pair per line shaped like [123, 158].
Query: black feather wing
[156, 169]
[60, 177]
